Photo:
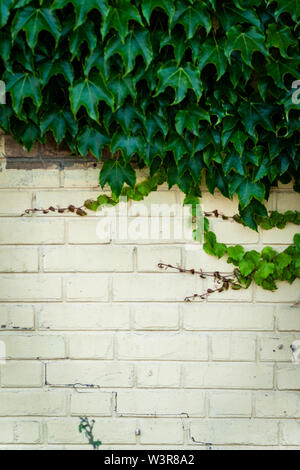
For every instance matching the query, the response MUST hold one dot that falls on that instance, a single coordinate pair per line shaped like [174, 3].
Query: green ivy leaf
[180, 79]
[212, 52]
[129, 145]
[5, 7]
[116, 174]
[33, 21]
[189, 119]
[288, 6]
[191, 18]
[21, 86]
[249, 190]
[59, 122]
[148, 6]
[92, 140]
[118, 17]
[247, 42]
[137, 44]
[82, 8]
[88, 93]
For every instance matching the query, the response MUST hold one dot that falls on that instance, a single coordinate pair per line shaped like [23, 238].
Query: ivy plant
[191, 89]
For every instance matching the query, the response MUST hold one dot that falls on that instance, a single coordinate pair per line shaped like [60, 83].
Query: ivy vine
[187, 88]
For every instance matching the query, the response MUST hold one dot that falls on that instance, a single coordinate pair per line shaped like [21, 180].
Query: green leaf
[51, 69]
[249, 190]
[82, 8]
[128, 145]
[83, 34]
[33, 21]
[280, 38]
[118, 17]
[247, 42]
[148, 6]
[89, 93]
[212, 52]
[21, 86]
[5, 7]
[137, 43]
[236, 253]
[121, 87]
[59, 122]
[180, 79]
[288, 6]
[191, 18]
[92, 140]
[189, 119]
[116, 174]
[265, 270]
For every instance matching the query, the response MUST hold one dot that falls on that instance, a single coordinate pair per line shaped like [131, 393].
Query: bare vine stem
[223, 282]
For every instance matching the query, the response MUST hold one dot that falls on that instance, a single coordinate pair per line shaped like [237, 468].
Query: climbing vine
[190, 89]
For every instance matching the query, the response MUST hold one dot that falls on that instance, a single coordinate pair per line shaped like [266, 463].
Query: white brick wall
[98, 317]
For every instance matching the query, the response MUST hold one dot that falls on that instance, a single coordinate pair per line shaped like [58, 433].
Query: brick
[235, 432]
[232, 233]
[19, 260]
[31, 231]
[30, 179]
[82, 178]
[288, 319]
[288, 377]
[7, 432]
[30, 287]
[88, 259]
[14, 202]
[21, 374]
[161, 431]
[290, 433]
[233, 347]
[156, 317]
[148, 257]
[243, 295]
[157, 204]
[212, 202]
[27, 432]
[163, 402]
[70, 316]
[285, 293]
[109, 431]
[201, 316]
[21, 346]
[32, 403]
[108, 374]
[12, 149]
[91, 346]
[196, 258]
[288, 202]
[234, 375]
[154, 287]
[277, 405]
[276, 347]
[16, 317]
[158, 375]
[176, 347]
[279, 237]
[230, 404]
[85, 231]
[91, 404]
[88, 287]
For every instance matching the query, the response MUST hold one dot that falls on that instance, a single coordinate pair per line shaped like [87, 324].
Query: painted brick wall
[94, 328]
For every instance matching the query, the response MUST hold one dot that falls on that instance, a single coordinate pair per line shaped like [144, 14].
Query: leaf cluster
[189, 88]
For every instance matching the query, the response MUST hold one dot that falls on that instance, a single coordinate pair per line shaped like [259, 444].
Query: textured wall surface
[92, 327]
